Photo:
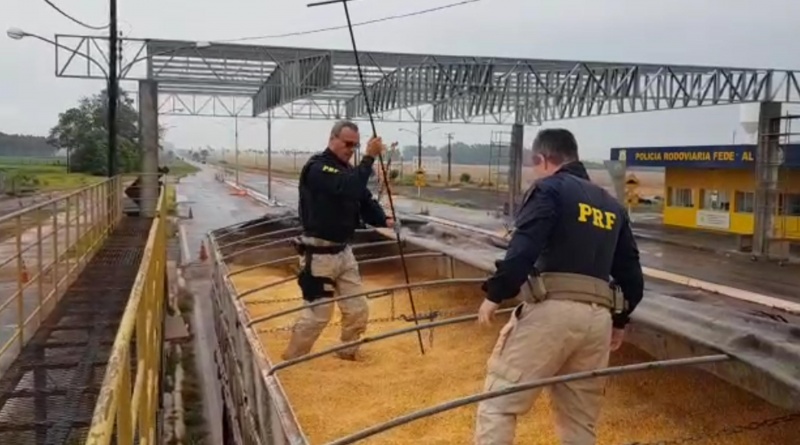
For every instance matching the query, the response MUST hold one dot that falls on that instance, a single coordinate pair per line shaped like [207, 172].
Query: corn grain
[333, 398]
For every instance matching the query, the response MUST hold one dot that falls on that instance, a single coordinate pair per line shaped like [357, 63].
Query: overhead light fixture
[16, 33]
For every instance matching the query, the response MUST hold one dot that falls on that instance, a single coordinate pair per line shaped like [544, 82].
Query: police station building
[713, 187]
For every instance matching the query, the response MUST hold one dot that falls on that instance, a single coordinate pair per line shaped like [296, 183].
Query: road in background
[764, 278]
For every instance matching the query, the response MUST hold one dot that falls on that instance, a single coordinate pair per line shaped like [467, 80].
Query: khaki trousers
[543, 340]
[343, 269]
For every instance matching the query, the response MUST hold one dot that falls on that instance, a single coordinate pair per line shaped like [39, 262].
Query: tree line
[23, 145]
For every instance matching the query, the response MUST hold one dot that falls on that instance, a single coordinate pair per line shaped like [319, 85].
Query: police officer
[334, 199]
[573, 237]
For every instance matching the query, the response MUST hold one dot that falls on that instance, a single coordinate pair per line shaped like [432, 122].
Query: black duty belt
[304, 249]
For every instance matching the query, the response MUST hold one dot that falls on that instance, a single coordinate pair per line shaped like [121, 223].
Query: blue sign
[708, 156]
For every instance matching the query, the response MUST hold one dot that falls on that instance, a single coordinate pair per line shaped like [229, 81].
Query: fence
[126, 409]
[43, 248]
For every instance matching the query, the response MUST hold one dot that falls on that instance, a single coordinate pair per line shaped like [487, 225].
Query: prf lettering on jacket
[601, 219]
[329, 169]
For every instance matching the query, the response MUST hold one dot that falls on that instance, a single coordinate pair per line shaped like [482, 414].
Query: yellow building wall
[731, 181]
[789, 226]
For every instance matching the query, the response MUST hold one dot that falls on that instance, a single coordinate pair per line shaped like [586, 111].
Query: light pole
[449, 158]
[236, 146]
[419, 134]
[113, 89]
[269, 154]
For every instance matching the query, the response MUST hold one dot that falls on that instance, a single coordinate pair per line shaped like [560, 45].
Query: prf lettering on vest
[328, 169]
[601, 219]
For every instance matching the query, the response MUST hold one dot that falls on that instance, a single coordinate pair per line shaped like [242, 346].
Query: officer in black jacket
[334, 199]
[571, 238]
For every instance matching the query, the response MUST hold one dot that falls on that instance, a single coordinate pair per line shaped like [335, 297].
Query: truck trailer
[691, 371]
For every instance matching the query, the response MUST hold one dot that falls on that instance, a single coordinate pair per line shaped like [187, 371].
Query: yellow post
[67, 245]
[124, 434]
[56, 260]
[20, 284]
[39, 268]
[78, 231]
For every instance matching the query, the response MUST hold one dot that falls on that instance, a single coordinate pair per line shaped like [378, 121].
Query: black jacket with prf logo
[568, 224]
[334, 198]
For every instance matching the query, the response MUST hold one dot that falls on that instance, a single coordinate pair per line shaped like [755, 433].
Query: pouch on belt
[575, 287]
[314, 287]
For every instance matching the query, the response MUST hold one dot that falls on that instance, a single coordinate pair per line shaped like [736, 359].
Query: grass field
[651, 183]
[32, 160]
[41, 177]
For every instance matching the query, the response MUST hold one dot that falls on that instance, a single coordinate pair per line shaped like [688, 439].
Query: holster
[313, 287]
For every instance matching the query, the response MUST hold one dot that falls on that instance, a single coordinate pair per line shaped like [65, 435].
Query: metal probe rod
[380, 161]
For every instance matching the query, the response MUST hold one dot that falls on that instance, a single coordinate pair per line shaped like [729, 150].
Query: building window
[679, 197]
[790, 205]
[716, 200]
[745, 202]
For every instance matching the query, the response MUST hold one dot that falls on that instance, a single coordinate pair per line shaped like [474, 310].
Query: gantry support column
[269, 155]
[515, 168]
[148, 137]
[766, 176]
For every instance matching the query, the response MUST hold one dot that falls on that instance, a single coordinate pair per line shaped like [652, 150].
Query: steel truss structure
[210, 79]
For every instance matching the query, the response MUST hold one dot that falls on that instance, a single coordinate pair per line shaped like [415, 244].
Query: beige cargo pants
[343, 269]
[543, 340]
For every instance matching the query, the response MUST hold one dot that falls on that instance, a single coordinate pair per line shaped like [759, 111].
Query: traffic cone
[203, 253]
[23, 275]
[191, 215]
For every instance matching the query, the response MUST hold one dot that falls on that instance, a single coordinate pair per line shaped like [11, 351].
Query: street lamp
[16, 33]
[19, 34]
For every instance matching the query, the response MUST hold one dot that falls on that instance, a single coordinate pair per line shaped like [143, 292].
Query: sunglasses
[351, 144]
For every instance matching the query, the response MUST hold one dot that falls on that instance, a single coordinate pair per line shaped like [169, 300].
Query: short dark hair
[341, 125]
[557, 145]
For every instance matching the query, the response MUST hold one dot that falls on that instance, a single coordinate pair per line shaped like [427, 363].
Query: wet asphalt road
[212, 207]
[769, 279]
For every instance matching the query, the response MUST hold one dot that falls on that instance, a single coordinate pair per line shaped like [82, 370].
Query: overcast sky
[750, 33]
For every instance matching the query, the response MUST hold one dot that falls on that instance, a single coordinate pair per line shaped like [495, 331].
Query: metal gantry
[220, 79]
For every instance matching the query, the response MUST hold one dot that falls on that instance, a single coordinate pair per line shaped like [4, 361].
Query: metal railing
[127, 406]
[43, 248]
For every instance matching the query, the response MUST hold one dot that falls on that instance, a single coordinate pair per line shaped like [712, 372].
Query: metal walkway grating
[48, 394]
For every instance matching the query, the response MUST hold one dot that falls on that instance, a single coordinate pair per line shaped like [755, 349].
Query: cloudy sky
[750, 33]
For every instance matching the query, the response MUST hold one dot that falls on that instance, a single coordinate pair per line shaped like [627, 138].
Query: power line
[84, 24]
[367, 22]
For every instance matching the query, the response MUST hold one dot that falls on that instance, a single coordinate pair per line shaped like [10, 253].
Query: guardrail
[43, 248]
[127, 406]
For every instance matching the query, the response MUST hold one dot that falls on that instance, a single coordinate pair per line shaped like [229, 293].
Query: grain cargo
[326, 398]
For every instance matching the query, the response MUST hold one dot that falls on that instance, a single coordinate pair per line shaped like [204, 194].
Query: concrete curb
[701, 248]
[721, 289]
[672, 242]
